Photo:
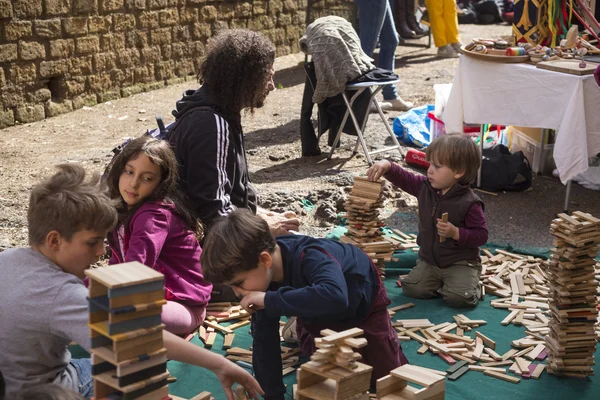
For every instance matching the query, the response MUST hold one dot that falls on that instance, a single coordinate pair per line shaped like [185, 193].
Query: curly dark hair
[237, 68]
[161, 154]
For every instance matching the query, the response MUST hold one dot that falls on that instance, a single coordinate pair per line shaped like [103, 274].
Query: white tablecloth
[523, 95]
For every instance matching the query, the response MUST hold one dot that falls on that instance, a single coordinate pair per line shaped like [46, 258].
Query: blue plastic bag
[413, 126]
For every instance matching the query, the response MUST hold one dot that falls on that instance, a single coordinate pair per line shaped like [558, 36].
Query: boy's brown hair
[67, 203]
[234, 244]
[457, 152]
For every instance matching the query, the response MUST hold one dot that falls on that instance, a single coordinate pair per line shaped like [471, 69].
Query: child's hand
[378, 169]
[446, 229]
[229, 373]
[281, 224]
[252, 301]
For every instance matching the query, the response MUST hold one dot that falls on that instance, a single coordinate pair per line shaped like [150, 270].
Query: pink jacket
[160, 239]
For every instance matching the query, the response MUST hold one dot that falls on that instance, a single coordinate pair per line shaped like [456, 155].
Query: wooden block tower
[572, 339]
[395, 386]
[362, 212]
[128, 357]
[333, 372]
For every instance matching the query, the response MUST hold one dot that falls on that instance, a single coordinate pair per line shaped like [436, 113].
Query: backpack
[162, 132]
[503, 170]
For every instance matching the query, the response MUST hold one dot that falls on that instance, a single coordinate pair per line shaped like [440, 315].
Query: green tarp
[473, 385]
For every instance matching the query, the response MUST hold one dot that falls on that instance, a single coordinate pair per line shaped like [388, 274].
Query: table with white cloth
[486, 92]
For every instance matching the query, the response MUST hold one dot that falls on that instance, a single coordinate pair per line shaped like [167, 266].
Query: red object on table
[416, 158]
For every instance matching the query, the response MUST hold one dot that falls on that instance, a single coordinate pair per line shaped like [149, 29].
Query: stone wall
[60, 55]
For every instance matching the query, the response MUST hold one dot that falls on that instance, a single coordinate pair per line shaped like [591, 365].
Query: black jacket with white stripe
[210, 151]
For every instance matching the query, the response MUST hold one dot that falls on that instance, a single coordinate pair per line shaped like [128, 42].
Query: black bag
[501, 170]
[488, 11]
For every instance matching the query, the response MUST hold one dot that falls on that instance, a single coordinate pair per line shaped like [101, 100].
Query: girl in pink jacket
[156, 229]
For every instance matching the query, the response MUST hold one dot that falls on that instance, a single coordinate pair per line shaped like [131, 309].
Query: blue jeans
[84, 375]
[376, 22]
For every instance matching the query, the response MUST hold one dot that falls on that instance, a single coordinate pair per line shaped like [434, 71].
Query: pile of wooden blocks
[364, 225]
[403, 241]
[396, 386]
[334, 372]
[572, 337]
[222, 312]
[450, 341]
[128, 357]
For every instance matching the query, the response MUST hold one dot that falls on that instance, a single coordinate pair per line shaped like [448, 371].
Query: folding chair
[376, 87]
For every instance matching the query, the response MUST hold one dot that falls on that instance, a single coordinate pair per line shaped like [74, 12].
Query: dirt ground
[28, 152]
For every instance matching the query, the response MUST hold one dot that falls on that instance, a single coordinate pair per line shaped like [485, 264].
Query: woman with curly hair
[236, 74]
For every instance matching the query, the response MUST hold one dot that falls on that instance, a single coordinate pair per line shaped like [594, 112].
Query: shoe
[288, 333]
[456, 46]
[447, 52]
[385, 106]
[400, 105]
[411, 18]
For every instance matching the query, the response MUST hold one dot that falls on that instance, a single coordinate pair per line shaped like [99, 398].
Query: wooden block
[478, 348]
[458, 373]
[228, 341]
[483, 368]
[401, 307]
[338, 336]
[448, 328]
[423, 349]
[238, 324]
[202, 396]
[522, 365]
[413, 323]
[438, 346]
[486, 340]
[493, 354]
[519, 318]
[389, 384]
[532, 355]
[217, 327]
[444, 219]
[451, 336]
[239, 393]
[210, 341]
[497, 363]
[122, 275]
[202, 333]
[539, 368]
[447, 357]
[502, 376]
[464, 358]
[416, 337]
[288, 370]
[356, 342]
[456, 367]
[430, 370]
[416, 375]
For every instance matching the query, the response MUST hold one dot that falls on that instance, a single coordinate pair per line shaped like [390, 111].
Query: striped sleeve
[205, 173]
[222, 151]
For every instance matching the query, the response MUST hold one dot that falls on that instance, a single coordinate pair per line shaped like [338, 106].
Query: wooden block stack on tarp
[334, 372]
[128, 357]
[572, 339]
[431, 385]
[364, 225]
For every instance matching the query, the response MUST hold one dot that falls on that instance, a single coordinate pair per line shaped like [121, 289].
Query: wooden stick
[444, 219]
[502, 376]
